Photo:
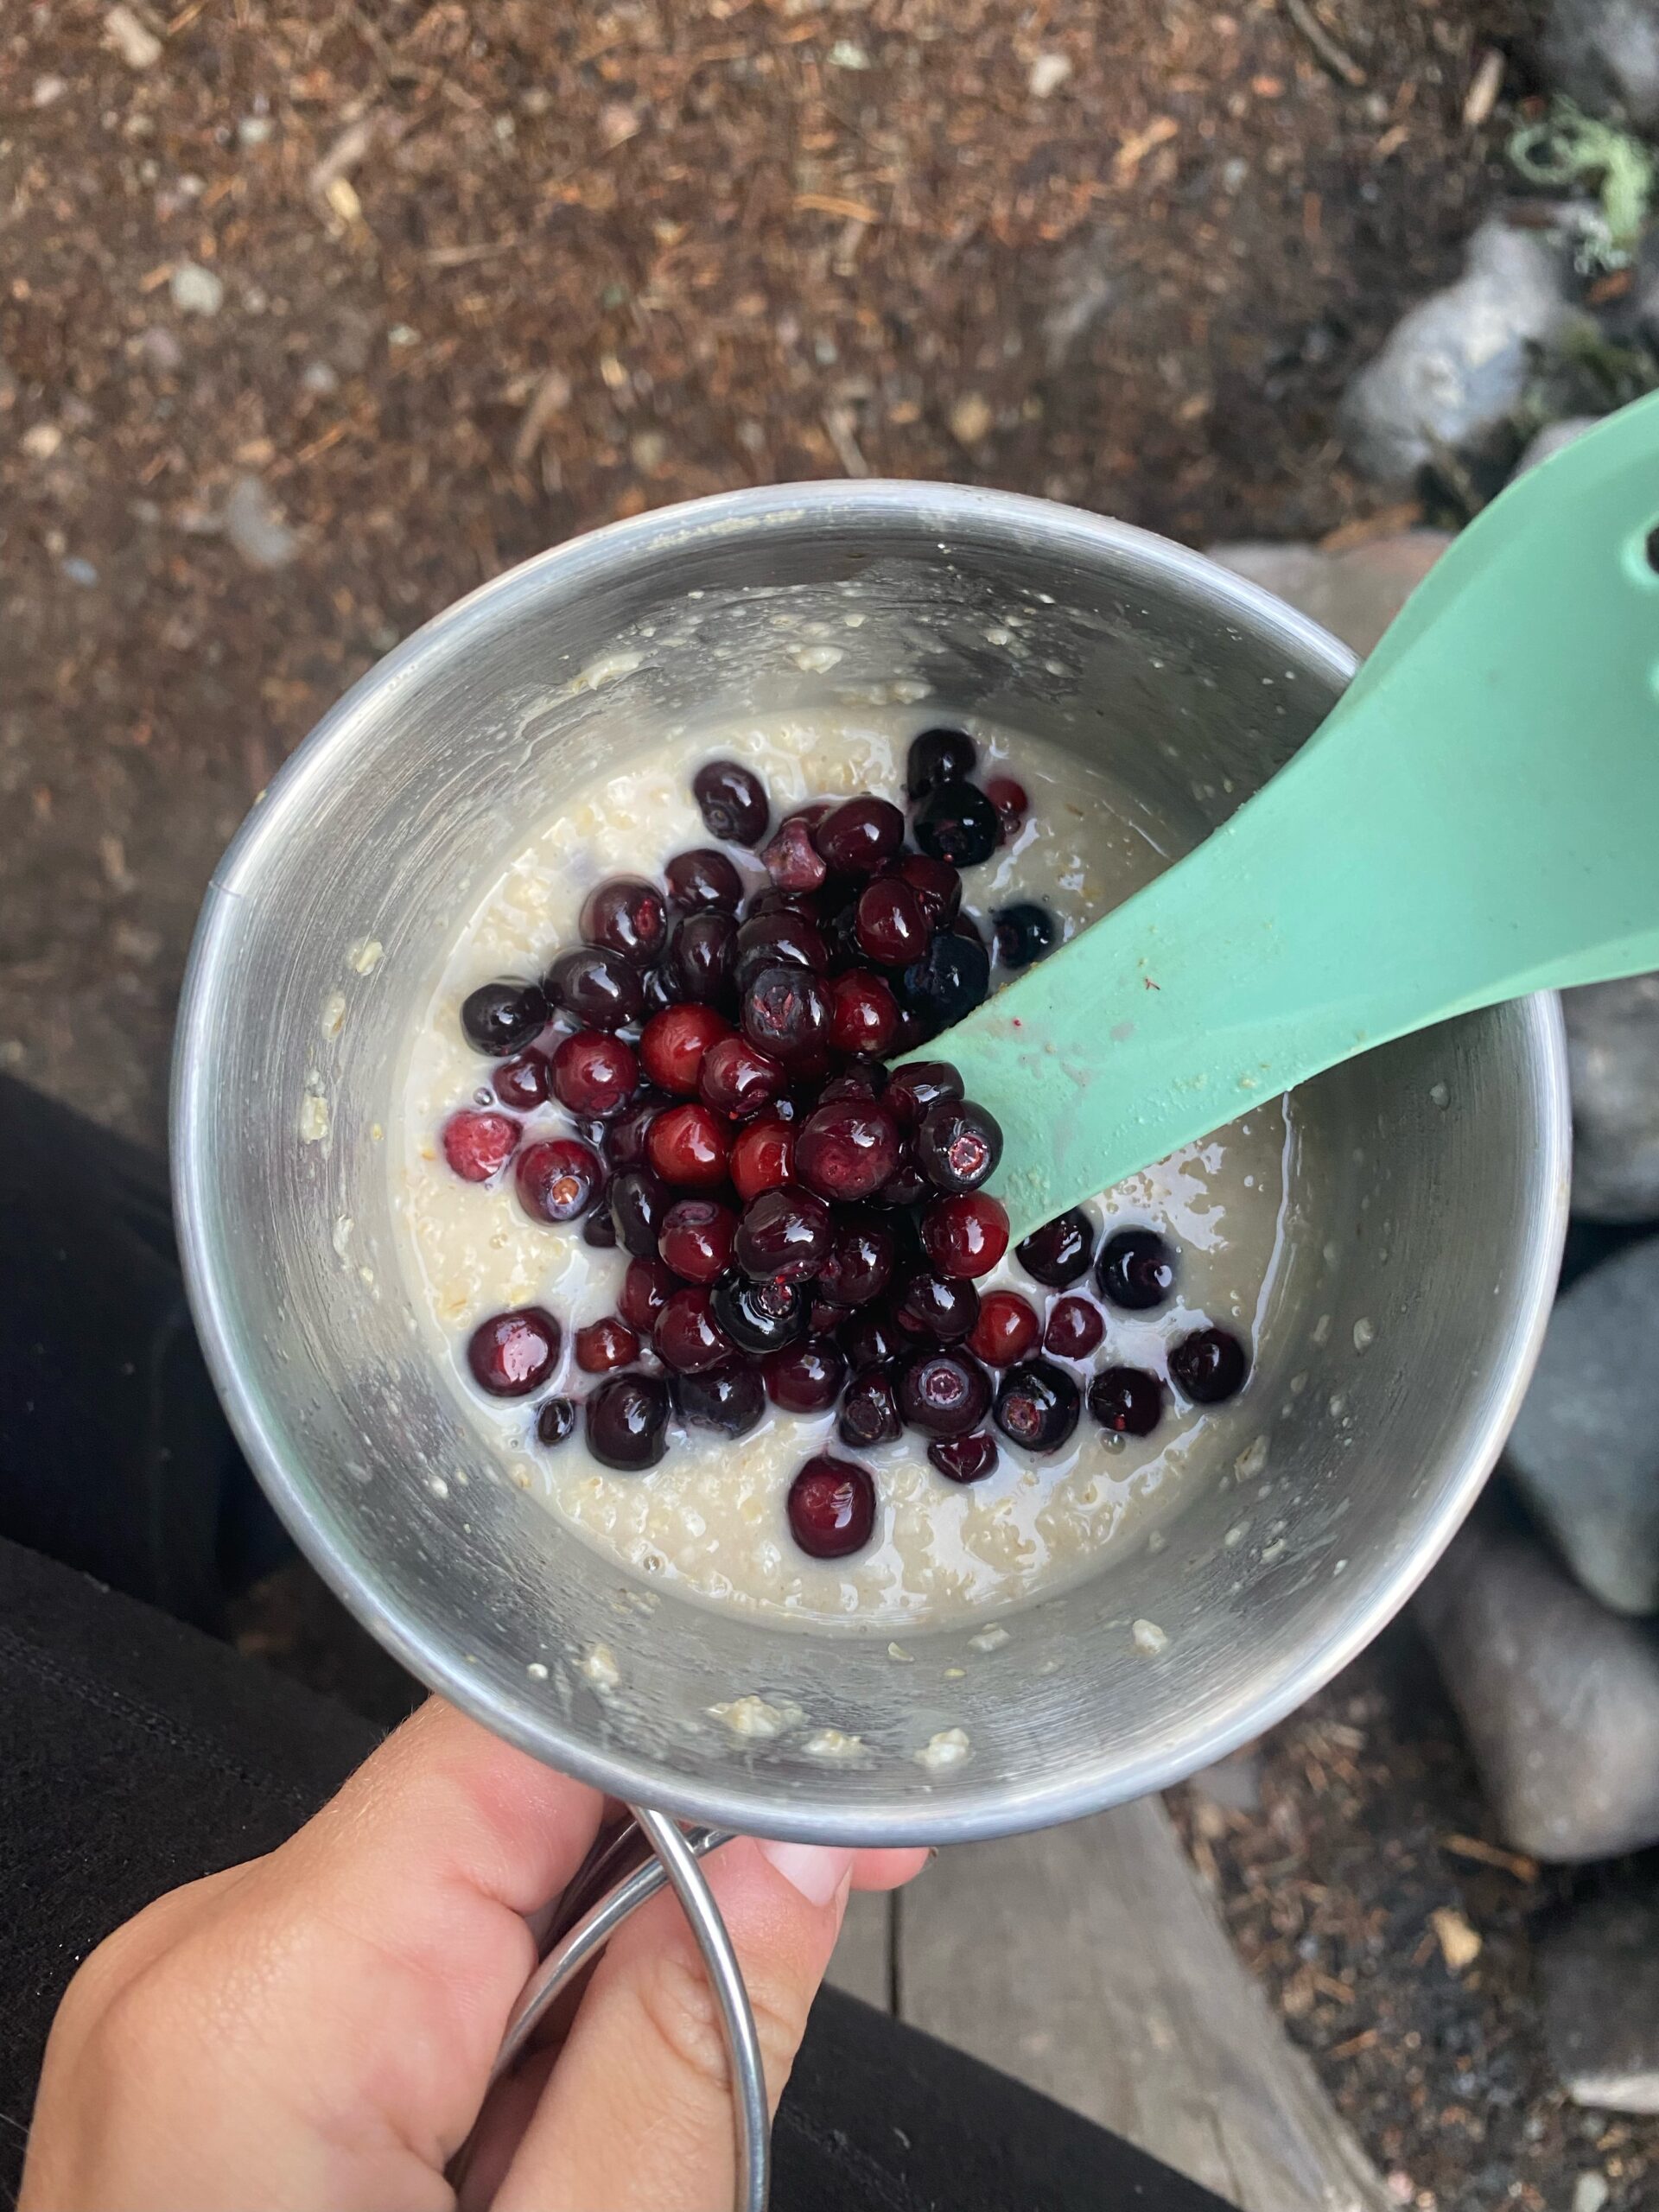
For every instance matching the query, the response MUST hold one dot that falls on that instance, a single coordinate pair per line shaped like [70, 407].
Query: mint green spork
[1477, 818]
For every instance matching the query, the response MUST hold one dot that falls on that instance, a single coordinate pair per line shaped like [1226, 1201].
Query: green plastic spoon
[1478, 817]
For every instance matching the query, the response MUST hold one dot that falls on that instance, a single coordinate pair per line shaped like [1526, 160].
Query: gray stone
[196, 291]
[1599, 1973]
[1356, 594]
[1584, 1447]
[1613, 1045]
[1604, 54]
[1454, 367]
[1554, 438]
[254, 528]
[1560, 1698]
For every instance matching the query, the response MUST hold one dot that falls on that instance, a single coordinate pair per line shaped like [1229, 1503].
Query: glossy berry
[860, 1265]
[1037, 1406]
[943, 1393]
[605, 1345]
[501, 1019]
[939, 1306]
[863, 1013]
[860, 837]
[524, 1081]
[869, 1409]
[627, 915]
[730, 1400]
[916, 1089]
[783, 938]
[965, 1459]
[935, 883]
[626, 1418]
[732, 800]
[846, 1151]
[703, 881]
[1076, 1326]
[639, 1199]
[512, 1354]
[831, 1507]
[600, 988]
[594, 1074]
[907, 1186]
[786, 1012]
[689, 1146]
[763, 1157]
[738, 1079]
[965, 1236]
[784, 1235]
[1059, 1252]
[952, 978]
[647, 1286]
[479, 1145]
[598, 1228]
[889, 924]
[1127, 1401]
[1136, 1270]
[660, 989]
[624, 1140]
[1007, 1330]
[556, 1421]
[872, 1339]
[1209, 1366]
[959, 1145]
[938, 756]
[1011, 804]
[695, 1238]
[1023, 934]
[865, 1081]
[673, 1043]
[806, 1377]
[792, 860]
[702, 957]
[957, 823]
[688, 1336]
[759, 1317]
[558, 1180]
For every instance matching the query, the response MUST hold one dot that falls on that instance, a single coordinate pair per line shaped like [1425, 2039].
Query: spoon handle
[1478, 818]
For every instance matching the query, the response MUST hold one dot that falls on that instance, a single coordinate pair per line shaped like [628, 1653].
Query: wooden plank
[1089, 1963]
[862, 1965]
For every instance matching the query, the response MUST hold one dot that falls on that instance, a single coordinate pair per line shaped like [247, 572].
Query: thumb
[638, 2112]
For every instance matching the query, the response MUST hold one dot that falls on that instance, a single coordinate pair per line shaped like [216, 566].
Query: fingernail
[816, 1870]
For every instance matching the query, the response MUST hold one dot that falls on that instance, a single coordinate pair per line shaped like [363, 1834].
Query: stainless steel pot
[1439, 1169]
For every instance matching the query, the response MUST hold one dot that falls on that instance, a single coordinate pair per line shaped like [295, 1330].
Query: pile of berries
[803, 1226]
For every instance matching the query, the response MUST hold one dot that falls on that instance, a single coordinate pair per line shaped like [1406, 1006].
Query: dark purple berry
[1037, 1405]
[1023, 934]
[846, 1151]
[869, 1409]
[759, 1317]
[598, 1229]
[555, 1420]
[859, 837]
[625, 1419]
[916, 1089]
[1059, 1252]
[905, 1186]
[786, 1012]
[501, 1019]
[959, 1145]
[732, 800]
[512, 1354]
[640, 1201]
[938, 756]
[889, 924]
[601, 988]
[1075, 1328]
[1209, 1366]
[701, 954]
[1127, 1401]
[950, 979]
[935, 883]
[703, 881]
[784, 1235]
[769, 940]
[965, 1459]
[1136, 1270]
[738, 1079]
[806, 1377]
[831, 1507]
[943, 1393]
[941, 1306]
[860, 1265]
[730, 1399]
[792, 860]
[863, 1013]
[524, 1081]
[625, 915]
[625, 1141]
[871, 1340]
[688, 1336]
[957, 823]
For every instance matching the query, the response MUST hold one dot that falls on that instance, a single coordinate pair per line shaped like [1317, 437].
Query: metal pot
[1438, 1169]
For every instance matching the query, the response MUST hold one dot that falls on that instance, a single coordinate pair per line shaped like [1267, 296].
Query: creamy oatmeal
[711, 1517]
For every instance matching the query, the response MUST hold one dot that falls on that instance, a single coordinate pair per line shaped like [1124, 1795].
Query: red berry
[674, 1043]
[646, 1288]
[512, 1354]
[1007, 1329]
[792, 860]
[863, 1013]
[605, 1344]
[869, 1411]
[477, 1146]
[916, 1089]
[763, 1157]
[525, 1081]
[965, 1236]
[1075, 1328]
[687, 1336]
[559, 1180]
[847, 1151]
[738, 1078]
[860, 1265]
[889, 923]
[782, 939]
[805, 1377]
[703, 881]
[935, 883]
[627, 915]
[831, 1507]
[1127, 1401]
[695, 1238]
[965, 1459]
[1011, 804]
[784, 1235]
[688, 1148]
[594, 1074]
[859, 837]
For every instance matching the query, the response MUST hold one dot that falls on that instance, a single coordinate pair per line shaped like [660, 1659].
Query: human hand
[315, 2029]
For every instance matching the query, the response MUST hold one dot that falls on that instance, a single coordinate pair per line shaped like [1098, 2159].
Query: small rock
[1356, 593]
[252, 526]
[1599, 1974]
[971, 418]
[1553, 439]
[1048, 73]
[1559, 1698]
[80, 572]
[1590, 2193]
[1584, 1447]
[136, 43]
[47, 91]
[1460, 1944]
[1458, 364]
[1604, 54]
[320, 379]
[41, 441]
[196, 291]
[254, 130]
[158, 349]
[1612, 1046]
